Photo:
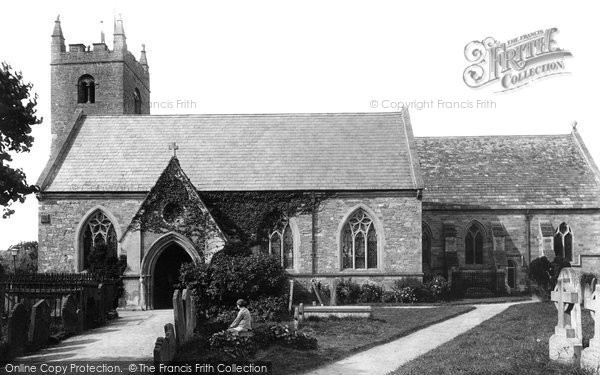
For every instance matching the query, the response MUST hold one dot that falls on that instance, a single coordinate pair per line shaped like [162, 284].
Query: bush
[234, 346]
[389, 296]
[293, 338]
[439, 288]
[348, 292]
[218, 285]
[269, 309]
[371, 292]
[587, 278]
[410, 290]
[545, 273]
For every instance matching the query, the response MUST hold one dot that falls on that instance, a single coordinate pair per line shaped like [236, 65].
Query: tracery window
[86, 89]
[99, 240]
[563, 242]
[359, 242]
[474, 245]
[281, 244]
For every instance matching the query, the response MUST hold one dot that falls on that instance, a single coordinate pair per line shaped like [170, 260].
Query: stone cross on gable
[173, 146]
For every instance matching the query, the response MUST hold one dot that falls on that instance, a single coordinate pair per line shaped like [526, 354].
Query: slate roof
[349, 151]
[541, 171]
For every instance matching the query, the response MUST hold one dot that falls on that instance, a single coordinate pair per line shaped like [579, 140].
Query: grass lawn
[513, 342]
[338, 338]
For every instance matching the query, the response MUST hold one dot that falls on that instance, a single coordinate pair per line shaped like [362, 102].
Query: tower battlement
[96, 79]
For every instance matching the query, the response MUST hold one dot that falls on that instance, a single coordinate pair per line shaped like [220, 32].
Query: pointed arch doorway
[161, 266]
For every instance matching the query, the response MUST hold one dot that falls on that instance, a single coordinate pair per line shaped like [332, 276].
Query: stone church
[378, 203]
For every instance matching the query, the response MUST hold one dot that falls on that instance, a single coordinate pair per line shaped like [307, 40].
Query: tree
[17, 116]
[25, 261]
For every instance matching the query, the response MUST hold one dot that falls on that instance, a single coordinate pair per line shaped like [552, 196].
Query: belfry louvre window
[86, 89]
[474, 245]
[563, 242]
[281, 244]
[359, 242]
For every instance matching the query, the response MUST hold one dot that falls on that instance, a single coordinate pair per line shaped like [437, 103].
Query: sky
[318, 56]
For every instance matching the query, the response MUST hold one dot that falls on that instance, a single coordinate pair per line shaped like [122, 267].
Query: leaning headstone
[590, 356]
[170, 343]
[39, 328]
[566, 343]
[179, 317]
[190, 314]
[17, 329]
[68, 314]
[160, 352]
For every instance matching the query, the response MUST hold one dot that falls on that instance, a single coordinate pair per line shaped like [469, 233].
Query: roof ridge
[493, 136]
[274, 114]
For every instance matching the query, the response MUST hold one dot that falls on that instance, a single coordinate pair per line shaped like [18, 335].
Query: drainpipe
[314, 233]
[528, 235]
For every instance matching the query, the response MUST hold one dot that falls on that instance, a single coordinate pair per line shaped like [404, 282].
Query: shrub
[410, 290]
[545, 273]
[406, 295]
[586, 278]
[269, 309]
[389, 296]
[371, 292]
[439, 288]
[348, 292]
[235, 346]
[218, 285]
[292, 338]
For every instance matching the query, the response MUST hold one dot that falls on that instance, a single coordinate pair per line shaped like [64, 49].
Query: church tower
[96, 80]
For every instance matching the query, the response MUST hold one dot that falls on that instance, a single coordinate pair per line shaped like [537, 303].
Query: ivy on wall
[173, 204]
[247, 216]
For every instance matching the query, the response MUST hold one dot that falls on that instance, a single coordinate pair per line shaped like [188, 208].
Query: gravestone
[179, 317]
[39, 328]
[590, 356]
[160, 352]
[566, 343]
[17, 329]
[68, 313]
[190, 314]
[291, 296]
[170, 342]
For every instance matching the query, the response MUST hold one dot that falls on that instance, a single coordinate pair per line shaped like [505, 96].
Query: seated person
[243, 321]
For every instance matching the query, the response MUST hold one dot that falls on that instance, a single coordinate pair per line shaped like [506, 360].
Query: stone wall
[58, 238]
[398, 223]
[584, 224]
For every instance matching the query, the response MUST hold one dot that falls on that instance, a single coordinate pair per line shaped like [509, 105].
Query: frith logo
[514, 63]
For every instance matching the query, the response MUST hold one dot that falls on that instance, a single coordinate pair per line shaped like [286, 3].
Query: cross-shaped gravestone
[565, 302]
[566, 343]
[173, 146]
[590, 357]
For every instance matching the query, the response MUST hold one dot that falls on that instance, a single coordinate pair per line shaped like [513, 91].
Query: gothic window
[474, 245]
[359, 242]
[281, 244]
[563, 242]
[137, 102]
[99, 240]
[86, 89]
[426, 247]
